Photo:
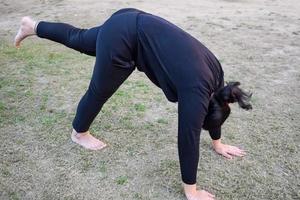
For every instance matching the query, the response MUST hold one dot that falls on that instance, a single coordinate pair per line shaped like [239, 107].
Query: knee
[98, 93]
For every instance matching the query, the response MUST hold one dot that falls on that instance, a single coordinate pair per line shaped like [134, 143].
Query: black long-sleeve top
[188, 73]
[185, 70]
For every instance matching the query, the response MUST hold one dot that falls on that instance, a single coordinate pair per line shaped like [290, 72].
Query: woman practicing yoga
[186, 71]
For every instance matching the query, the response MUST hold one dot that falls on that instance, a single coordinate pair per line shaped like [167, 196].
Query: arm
[215, 134]
[192, 109]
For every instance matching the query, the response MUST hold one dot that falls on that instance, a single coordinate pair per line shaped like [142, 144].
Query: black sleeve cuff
[215, 134]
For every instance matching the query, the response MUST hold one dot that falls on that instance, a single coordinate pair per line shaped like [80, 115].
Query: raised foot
[87, 140]
[26, 29]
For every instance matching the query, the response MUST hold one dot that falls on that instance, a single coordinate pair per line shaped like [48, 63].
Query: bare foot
[26, 29]
[87, 140]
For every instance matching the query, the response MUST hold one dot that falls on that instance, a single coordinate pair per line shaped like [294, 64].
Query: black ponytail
[231, 93]
[219, 110]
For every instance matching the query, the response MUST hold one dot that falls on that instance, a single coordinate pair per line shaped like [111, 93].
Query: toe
[100, 146]
[16, 41]
[19, 37]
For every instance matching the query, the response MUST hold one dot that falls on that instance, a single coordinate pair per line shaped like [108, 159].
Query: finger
[243, 153]
[236, 153]
[235, 148]
[225, 154]
[211, 198]
[239, 154]
[210, 195]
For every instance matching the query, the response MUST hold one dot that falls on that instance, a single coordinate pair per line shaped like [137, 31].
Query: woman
[186, 71]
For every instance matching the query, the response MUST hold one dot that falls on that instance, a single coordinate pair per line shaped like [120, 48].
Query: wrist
[216, 143]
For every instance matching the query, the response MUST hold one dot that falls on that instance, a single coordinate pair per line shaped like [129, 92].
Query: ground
[258, 44]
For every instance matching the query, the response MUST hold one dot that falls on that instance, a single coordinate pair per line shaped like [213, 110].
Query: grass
[121, 180]
[41, 84]
[38, 106]
[162, 121]
[140, 107]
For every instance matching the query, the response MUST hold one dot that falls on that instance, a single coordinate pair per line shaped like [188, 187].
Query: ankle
[36, 23]
[78, 135]
[189, 189]
[30, 23]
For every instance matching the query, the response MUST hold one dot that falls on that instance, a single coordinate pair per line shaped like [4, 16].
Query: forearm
[188, 149]
[192, 109]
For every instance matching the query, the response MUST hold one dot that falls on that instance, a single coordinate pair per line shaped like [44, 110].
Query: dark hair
[219, 110]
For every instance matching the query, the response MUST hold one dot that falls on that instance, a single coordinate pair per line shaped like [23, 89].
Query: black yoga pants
[106, 78]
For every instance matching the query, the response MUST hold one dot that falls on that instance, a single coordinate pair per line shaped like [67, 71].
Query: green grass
[140, 107]
[13, 196]
[103, 167]
[122, 180]
[41, 84]
[162, 121]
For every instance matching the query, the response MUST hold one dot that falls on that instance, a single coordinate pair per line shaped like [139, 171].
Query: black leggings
[108, 73]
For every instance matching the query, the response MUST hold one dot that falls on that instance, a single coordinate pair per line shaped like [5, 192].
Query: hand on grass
[227, 151]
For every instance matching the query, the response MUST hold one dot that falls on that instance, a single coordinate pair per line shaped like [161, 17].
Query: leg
[106, 79]
[115, 47]
[83, 40]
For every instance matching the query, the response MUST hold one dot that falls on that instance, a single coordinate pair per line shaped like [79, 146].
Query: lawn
[42, 82]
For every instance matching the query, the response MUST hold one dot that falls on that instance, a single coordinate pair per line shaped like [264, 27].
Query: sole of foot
[26, 29]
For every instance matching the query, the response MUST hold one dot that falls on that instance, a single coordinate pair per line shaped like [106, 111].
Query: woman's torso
[171, 58]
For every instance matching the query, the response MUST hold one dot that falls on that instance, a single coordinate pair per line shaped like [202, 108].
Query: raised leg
[82, 40]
